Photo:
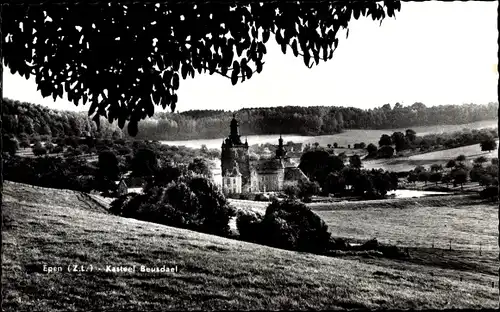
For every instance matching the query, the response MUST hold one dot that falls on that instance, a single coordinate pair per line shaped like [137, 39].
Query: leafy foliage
[108, 165]
[53, 172]
[292, 225]
[9, 145]
[488, 144]
[248, 225]
[39, 150]
[386, 151]
[490, 193]
[200, 166]
[191, 202]
[355, 161]
[115, 56]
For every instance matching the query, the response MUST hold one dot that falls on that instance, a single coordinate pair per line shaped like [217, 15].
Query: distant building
[242, 175]
[121, 188]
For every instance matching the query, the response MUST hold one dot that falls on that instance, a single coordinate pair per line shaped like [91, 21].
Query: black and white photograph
[245, 155]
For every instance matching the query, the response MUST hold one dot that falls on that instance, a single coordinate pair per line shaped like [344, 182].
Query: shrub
[391, 251]
[291, 189]
[435, 177]
[261, 197]
[292, 225]
[371, 149]
[307, 189]
[372, 244]
[424, 177]
[39, 150]
[490, 192]
[385, 151]
[436, 167]
[25, 143]
[245, 196]
[58, 149]
[451, 163]
[49, 146]
[338, 244]
[248, 224]
[488, 144]
[191, 202]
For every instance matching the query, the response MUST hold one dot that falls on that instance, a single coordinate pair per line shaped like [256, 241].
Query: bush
[292, 225]
[307, 189]
[391, 251]
[261, 197]
[385, 151]
[338, 244]
[490, 192]
[291, 189]
[191, 202]
[248, 224]
[58, 149]
[372, 244]
[39, 150]
[245, 197]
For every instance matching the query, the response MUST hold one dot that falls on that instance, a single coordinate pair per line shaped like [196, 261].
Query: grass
[213, 272]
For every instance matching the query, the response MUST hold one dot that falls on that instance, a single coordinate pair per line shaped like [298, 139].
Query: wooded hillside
[20, 117]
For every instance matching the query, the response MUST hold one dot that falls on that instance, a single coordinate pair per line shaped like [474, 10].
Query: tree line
[409, 140]
[26, 119]
[332, 176]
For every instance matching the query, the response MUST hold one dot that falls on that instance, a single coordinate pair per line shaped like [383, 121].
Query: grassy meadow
[427, 159]
[58, 228]
[411, 222]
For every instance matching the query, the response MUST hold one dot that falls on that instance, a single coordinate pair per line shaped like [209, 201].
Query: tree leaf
[306, 58]
[294, 48]
[132, 127]
[234, 76]
[184, 71]
[283, 48]
[265, 35]
[175, 81]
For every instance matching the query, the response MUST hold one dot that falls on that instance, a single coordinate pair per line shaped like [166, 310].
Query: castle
[242, 175]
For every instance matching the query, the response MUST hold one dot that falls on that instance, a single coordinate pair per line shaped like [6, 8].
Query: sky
[434, 52]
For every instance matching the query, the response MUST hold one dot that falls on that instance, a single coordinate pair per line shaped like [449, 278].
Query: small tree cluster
[288, 224]
[191, 202]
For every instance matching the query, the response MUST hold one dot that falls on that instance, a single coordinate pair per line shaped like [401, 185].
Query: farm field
[427, 159]
[410, 222]
[57, 230]
[345, 138]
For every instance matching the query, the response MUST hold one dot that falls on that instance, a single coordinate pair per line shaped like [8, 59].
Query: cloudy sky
[432, 52]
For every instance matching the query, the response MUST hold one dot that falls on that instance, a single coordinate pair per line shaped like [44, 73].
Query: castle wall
[231, 185]
[240, 155]
[269, 182]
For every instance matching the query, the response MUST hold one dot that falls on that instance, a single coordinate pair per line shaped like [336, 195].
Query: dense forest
[35, 120]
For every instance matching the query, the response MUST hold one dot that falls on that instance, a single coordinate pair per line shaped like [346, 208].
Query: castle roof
[267, 165]
[294, 174]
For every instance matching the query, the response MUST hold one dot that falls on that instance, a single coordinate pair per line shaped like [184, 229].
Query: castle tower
[280, 152]
[235, 154]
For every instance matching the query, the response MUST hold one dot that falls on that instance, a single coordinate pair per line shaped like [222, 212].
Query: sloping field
[427, 159]
[212, 272]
